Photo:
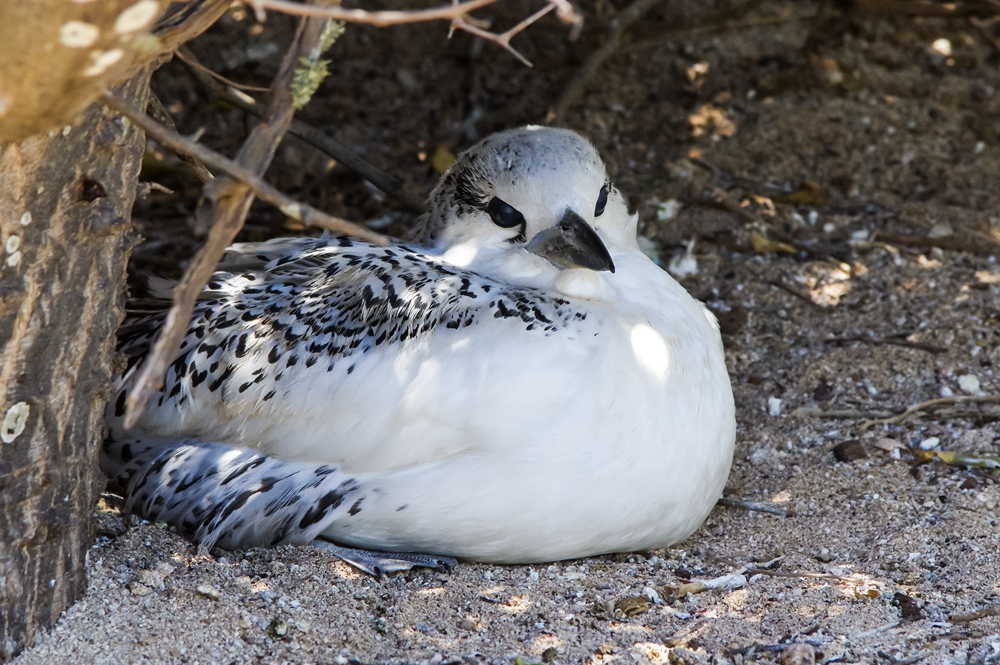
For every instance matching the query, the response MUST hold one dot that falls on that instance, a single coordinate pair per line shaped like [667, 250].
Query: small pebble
[969, 383]
[774, 406]
[824, 556]
[850, 450]
[930, 443]
[139, 589]
[209, 591]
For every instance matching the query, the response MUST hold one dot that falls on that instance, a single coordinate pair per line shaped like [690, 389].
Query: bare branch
[226, 204]
[621, 23]
[379, 19]
[329, 146]
[932, 403]
[184, 55]
[503, 39]
[296, 210]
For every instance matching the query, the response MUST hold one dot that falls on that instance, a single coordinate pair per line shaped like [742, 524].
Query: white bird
[520, 385]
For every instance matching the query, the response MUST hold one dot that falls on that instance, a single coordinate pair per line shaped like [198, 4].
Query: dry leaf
[442, 159]
[763, 245]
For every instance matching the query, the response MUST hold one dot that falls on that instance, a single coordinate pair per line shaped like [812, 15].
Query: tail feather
[218, 494]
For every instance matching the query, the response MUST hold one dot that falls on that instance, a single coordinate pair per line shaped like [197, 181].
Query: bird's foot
[379, 564]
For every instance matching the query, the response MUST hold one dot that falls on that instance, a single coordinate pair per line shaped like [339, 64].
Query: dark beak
[572, 244]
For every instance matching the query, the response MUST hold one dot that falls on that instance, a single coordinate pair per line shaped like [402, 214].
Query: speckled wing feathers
[274, 312]
[217, 494]
[307, 302]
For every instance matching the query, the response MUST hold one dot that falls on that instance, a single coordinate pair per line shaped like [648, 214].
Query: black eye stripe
[503, 214]
[602, 201]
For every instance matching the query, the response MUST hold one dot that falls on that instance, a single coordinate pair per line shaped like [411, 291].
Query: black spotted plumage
[461, 395]
[291, 305]
[324, 302]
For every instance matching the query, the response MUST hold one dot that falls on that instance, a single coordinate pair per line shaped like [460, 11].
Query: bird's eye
[602, 202]
[504, 215]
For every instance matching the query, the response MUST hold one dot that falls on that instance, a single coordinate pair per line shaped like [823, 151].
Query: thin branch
[875, 341]
[331, 147]
[155, 108]
[503, 39]
[728, 25]
[798, 294]
[184, 55]
[978, 244]
[991, 611]
[226, 204]
[753, 505]
[931, 403]
[980, 9]
[296, 210]
[578, 84]
[378, 19]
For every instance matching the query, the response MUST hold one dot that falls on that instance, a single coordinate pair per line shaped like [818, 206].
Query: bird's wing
[280, 308]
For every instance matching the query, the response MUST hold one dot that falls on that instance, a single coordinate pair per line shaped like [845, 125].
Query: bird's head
[539, 190]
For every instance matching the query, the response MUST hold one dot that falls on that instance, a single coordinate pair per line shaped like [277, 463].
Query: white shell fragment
[774, 406]
[969, 383]
[14, 422]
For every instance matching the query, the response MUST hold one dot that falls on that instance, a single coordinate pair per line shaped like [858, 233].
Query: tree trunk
[65, 206]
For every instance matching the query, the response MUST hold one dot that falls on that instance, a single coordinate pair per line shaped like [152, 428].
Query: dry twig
[753, 505]
[876, 341]
[457, 13]
[978, 244]
[379, 19]
[184, 55]
[230, 200]
[932, 403]
[729, 24]
[991, 611]
[296, 210]
[787, 288]
[331, 147]
[576, 86]
[502, 39]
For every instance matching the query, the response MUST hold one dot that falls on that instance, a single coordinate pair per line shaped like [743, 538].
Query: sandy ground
[869, 154]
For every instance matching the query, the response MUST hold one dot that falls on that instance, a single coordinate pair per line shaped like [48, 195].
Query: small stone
[209, 591]
[824, 556]
[632, 605]
[759, 456]
[930, 443]
[909, 609]
[605, 648]
[278, 627]
[849, 451]
[139, 589]
[969, 383]
[774, 406]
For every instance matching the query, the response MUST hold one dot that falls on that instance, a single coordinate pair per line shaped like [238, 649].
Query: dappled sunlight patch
[737, 601]
[827, 283]
[651, 652]
[516, 605]
[783, 496]
[710, 120]
[544, 642]
[859, 586]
